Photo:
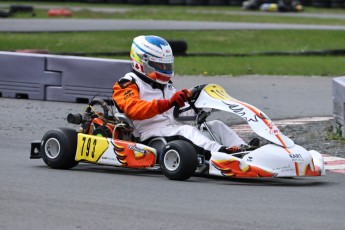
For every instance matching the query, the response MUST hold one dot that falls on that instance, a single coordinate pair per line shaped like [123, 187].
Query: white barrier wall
[58, 78]
[339, 105]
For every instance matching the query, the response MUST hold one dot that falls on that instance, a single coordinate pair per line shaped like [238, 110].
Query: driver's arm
[128, 100]
[126, 95]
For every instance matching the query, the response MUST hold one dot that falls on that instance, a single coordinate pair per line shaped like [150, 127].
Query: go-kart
[108, 137]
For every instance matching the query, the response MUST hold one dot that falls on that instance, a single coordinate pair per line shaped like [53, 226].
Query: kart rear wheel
[178, 160]
[58, 148]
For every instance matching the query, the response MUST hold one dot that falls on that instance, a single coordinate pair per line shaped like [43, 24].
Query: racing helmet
[152, 56]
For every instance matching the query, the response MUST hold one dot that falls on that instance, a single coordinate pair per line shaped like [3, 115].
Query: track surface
[66, 25]
[33, 196]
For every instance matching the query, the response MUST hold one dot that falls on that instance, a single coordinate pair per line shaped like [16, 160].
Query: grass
[241, 41]
[335, 136]
[237, 42]
[293, 66]
[228, 42]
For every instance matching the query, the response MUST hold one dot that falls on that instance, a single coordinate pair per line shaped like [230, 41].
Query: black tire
[4, 13]
[178, 160]
[158, 2]
[236, 2]
[217, 2]
[58, 148]
[337, 3]
[117, 1]
[196, 2]
[177, 2]
[321, 3]
[178, 47]
[137, 2]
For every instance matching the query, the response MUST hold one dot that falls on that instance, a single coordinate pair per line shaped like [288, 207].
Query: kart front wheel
[178, 160]
[58, 148]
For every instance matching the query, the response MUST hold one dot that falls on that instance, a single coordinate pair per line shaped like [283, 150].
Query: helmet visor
[162, 67]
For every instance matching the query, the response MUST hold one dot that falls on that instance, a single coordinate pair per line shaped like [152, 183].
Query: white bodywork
[282, 158]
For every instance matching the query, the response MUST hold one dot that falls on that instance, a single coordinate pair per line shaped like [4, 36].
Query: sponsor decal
[296, 157]
[135, 148]
[108, 158]
[250, 159]
[127, 94]
[152, 49]
[286, 168]
[273, 129]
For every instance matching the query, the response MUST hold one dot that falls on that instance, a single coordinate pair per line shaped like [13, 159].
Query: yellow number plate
[90, 148]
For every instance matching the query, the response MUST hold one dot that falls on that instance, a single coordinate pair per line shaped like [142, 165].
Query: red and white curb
[334, 164]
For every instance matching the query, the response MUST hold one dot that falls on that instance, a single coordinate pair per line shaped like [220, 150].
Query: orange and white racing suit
[137, 97]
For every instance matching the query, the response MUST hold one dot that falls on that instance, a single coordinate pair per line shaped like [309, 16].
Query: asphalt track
[66, 25]
[32, 196]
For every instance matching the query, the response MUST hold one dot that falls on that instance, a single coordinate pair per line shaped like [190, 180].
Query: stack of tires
[177, 2]
[337, 4]
[117, 1]
[321, 3]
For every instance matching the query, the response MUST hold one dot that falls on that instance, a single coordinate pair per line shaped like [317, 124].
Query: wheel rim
[52, 148]
[171, 160]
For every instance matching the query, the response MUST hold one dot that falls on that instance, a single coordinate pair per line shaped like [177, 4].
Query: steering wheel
[88, 113]
[194, 94]
[102, 103]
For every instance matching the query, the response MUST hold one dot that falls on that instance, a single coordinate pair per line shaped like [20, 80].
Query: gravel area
[312, 135]
[315, 135]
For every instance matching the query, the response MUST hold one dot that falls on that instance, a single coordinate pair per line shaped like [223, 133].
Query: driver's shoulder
[126, 81]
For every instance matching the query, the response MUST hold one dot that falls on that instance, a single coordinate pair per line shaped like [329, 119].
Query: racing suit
[137, 97]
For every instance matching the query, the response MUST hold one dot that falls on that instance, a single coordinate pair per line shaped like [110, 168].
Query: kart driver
[146, 95]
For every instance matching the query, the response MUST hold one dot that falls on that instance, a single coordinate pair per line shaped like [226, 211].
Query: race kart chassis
[109, 140]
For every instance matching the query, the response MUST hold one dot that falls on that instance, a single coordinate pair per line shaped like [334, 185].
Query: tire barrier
[158, 2]
[339, 105]
[321, 3]
[177, 2]
[21, 9]
[218, 2]
[196, 2]
[306, 2]
[13, 9]
[236, 2]
[178, 47]
[137, 2]
[337, 3]
[4, 13]
[58, 78]
[117, 1]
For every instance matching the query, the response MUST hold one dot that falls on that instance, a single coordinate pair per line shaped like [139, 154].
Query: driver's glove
[179, 99]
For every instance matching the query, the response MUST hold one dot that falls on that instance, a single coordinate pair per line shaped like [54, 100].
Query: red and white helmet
[152, 56]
